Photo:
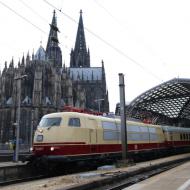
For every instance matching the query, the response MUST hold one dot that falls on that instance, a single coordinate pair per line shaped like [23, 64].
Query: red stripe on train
[59, 143]
[80, 148]
[89, 149]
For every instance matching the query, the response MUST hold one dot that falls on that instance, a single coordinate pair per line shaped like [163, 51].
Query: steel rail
[140, 177]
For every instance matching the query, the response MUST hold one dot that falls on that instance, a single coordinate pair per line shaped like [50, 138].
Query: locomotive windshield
[48, 122]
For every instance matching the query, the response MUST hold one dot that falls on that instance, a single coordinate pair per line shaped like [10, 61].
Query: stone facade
[49, 85]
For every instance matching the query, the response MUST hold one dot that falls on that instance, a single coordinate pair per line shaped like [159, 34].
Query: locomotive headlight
[31, 149]
[40, 130]
[52, 148]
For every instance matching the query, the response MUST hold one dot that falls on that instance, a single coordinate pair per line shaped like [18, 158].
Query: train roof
[175, 129]
[167, 103]
[102, 118]
[60, 114]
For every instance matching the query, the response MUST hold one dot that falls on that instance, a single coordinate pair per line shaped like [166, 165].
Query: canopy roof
[167, 103]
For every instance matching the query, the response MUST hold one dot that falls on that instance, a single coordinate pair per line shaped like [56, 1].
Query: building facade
[49, 85]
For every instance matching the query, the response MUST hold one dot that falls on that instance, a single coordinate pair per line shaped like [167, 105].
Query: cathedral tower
[91, 79]
[80, 57]
[53, 51]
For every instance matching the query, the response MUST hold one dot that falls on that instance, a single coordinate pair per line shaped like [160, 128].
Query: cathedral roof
[40, 54]
[93, 73]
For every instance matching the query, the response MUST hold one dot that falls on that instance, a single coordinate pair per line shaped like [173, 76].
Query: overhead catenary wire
[27, 20]
[99, 4]
[44, 19]
[106, 42]
[106, 10]
[89, 31]
[35, 12]
[12, 10]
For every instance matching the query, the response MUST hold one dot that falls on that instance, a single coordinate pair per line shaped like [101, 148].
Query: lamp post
[32, 128]
[99, 101]
[18, 79]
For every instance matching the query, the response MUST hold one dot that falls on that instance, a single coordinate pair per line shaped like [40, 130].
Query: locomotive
[71, 136]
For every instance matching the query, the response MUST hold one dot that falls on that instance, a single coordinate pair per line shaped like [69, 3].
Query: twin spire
[53, 51]
[80, 57]
[80, 44]
[53, 36]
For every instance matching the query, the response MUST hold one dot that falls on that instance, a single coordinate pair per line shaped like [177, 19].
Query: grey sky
[148, 41]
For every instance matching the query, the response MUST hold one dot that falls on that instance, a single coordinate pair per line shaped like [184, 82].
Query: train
[70, 136]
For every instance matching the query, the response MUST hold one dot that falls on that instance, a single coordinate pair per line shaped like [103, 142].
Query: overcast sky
[148, 41]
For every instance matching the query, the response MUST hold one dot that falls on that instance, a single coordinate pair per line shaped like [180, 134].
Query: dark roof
[86, 73]
[169, 100]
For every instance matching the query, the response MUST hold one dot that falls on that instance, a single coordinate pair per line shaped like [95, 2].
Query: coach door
[92, 124]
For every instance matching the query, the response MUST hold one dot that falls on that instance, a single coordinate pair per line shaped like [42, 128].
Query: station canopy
[167, 103]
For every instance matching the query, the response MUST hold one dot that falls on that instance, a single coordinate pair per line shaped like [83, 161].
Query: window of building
[74, 122]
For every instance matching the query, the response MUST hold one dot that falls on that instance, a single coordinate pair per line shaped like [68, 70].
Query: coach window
[171, 136]
[74, 122]
[181, 137]
[109, 125]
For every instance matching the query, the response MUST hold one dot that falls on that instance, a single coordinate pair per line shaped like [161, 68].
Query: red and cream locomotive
[70, 136]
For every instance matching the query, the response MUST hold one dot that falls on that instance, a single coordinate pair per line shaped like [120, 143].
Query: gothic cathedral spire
[80, 57]
[53, 50]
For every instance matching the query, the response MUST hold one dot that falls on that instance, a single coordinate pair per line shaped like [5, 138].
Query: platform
[7, 164]
[7, 155]
[175, 179]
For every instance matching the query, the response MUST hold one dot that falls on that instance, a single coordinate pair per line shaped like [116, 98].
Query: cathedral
[46, 85]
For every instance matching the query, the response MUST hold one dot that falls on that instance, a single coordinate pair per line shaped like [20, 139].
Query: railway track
[139, 177]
